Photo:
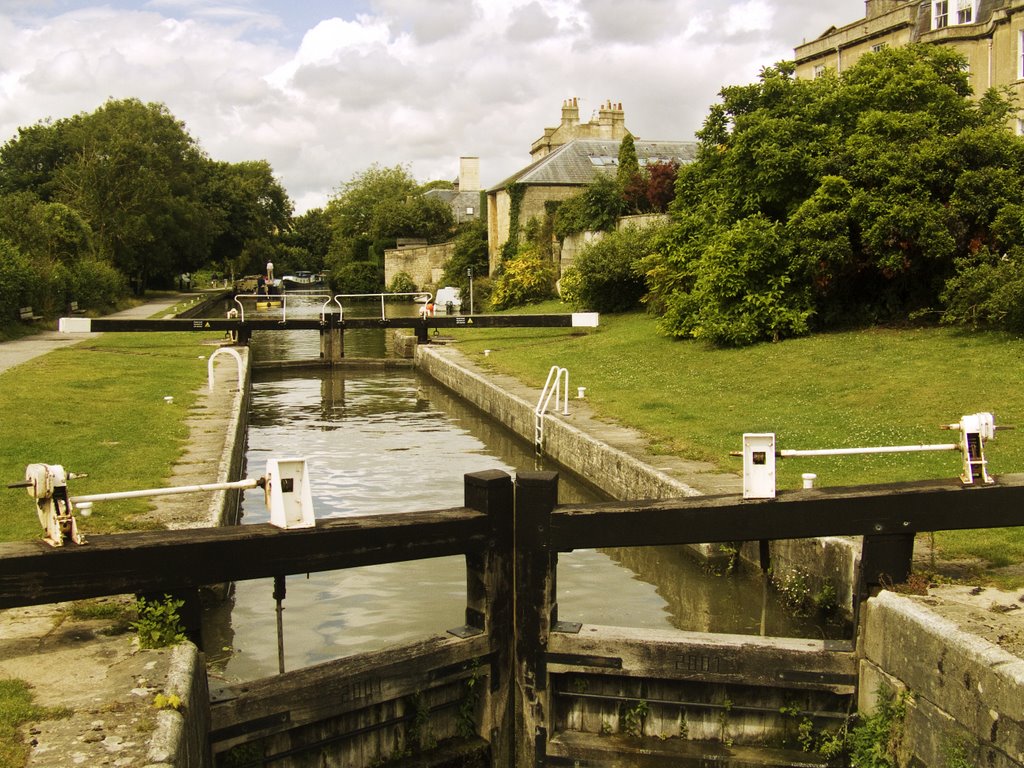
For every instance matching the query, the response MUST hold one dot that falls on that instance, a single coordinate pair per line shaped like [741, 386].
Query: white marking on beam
[584, 319]
[75, 325]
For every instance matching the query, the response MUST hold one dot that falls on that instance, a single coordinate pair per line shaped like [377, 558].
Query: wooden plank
[615, 751]
[536, 496]
[668, 654]
[261, 708]
[489, 601]
[33, 573]
[901, 508]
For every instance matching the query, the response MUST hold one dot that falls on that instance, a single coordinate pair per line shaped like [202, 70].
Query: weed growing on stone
[159, 624]
[875, 742]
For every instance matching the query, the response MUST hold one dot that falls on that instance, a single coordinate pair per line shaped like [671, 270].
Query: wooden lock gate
[514, 686]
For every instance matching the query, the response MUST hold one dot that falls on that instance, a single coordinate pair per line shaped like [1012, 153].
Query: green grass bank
[99, 408]
[870, 387]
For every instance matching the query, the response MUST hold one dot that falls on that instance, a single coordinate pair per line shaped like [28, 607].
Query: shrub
[357, 277]
[526, 278]
[402, 283]
[96, 284]
[604, 276]
[740, 289]
[986, 291]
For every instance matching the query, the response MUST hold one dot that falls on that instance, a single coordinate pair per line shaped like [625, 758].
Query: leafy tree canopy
[375, 208]
[844, 198]
[128, 184]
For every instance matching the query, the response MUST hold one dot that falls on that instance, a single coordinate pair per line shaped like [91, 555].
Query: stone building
[466, 198]
[565, 160]
[988, 33]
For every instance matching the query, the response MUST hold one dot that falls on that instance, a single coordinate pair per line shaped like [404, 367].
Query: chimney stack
[570, 112]
[469, 174]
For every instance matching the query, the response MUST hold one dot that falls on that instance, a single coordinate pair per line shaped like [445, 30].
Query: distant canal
[393, 442]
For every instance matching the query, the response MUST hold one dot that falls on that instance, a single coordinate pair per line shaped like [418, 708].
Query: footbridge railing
[515, 681]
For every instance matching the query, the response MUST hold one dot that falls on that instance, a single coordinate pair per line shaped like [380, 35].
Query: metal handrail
[555, 376]
[383, 296]
[283, 297]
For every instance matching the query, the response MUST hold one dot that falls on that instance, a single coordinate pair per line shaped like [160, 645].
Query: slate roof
[579, 161]
[453, 197]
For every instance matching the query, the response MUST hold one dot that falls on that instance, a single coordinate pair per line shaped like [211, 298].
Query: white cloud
[391, 81]
[751, 16]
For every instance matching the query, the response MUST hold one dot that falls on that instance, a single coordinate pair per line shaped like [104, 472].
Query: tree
[375, 208]
[136, 176]
[595, 208]
[630, 179]
[252, 209]
[844, 198]
[311, 233]
[469, 253]
[661, 185]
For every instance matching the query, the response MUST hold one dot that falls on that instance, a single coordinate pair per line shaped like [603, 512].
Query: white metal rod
[880, 449]
[164, 491]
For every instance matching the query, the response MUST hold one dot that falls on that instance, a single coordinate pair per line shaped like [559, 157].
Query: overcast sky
[323, 89]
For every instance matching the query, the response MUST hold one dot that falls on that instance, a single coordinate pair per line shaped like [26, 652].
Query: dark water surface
[393, 442]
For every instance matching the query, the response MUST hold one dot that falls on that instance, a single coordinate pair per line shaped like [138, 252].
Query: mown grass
[98, 408]
[876, 386]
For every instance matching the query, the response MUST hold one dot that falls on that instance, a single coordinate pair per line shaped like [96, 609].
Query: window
[964, 11]
[879, 47]
[940, 14]
[1020, 57]
[819, 70]
[1020, 126]
[469, 210]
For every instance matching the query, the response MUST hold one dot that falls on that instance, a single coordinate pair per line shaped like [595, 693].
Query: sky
[322, 90]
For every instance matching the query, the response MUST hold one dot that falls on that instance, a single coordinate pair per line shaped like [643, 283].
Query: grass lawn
[870, 387]
[98, 408]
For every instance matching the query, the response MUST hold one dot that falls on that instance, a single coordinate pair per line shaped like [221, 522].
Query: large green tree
[137, 176]
[368, 215]
[128, 184]
[252, 211]
[838, 199]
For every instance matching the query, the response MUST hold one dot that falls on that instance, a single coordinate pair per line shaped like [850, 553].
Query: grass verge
[870, 387]
[99, 408]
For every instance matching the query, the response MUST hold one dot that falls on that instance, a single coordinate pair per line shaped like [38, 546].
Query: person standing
[270, 271]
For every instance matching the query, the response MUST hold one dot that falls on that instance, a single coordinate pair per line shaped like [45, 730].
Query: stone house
[988, 33]
[565, 160]
[465, 199]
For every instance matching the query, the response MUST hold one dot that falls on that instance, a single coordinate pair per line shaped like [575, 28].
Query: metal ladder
[556, 376]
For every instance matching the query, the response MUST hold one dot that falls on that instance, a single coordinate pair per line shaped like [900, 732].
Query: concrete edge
[180, 737]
